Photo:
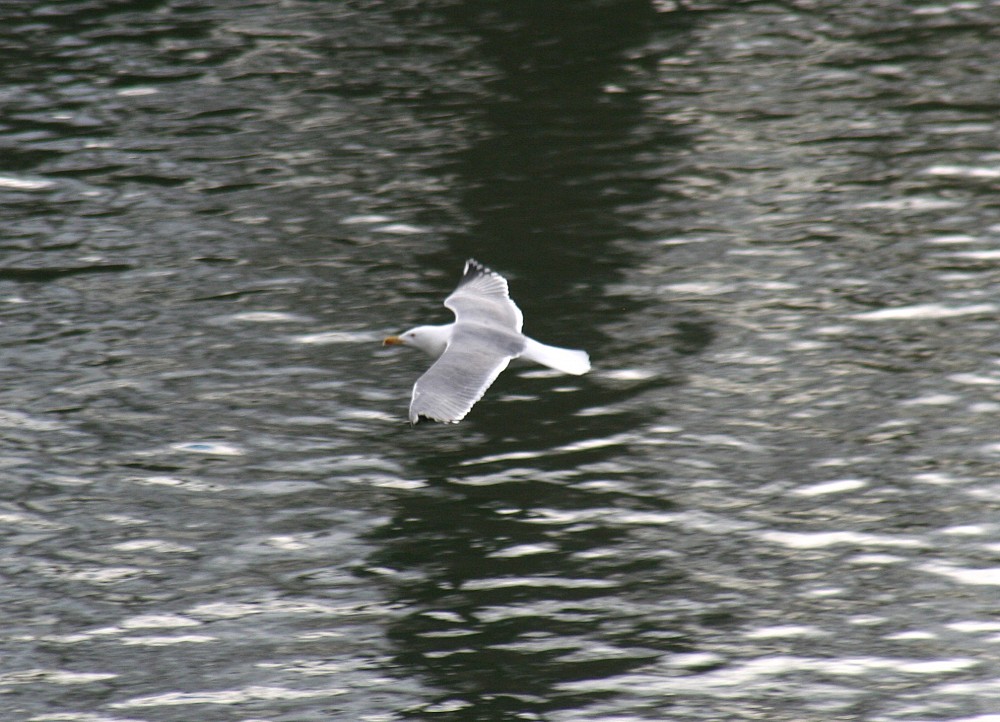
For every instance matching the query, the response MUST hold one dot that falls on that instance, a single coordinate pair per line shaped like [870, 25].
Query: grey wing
[482, 297]
[460, 377]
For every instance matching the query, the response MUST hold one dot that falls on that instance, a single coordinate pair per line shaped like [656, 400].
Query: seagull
[471, 352]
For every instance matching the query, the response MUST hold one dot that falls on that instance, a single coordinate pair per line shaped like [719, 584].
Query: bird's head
[431, 340]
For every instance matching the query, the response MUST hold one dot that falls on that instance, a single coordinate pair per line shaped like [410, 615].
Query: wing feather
[482, 297]
[459, 378]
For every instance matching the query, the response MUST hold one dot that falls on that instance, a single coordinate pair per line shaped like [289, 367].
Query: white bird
[472, 351]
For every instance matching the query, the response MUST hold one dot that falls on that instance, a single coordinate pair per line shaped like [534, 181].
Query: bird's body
[471, 352]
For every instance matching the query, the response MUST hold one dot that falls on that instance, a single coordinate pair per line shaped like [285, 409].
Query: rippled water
[774, 226]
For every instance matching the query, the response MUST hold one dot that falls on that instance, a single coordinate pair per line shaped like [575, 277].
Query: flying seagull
[472, 351]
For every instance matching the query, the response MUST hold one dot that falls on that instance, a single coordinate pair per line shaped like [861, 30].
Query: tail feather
[566, 360]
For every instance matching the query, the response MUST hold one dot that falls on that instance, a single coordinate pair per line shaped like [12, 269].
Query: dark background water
[774, 226]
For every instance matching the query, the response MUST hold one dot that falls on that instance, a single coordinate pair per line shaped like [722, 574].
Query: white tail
[567, 360]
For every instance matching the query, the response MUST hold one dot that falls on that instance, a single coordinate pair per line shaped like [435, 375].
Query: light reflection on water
[773, 228]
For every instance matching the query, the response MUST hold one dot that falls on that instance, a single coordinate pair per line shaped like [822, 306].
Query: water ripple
[773, 226]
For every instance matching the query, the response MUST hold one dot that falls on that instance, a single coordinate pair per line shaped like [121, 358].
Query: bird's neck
[434, 339]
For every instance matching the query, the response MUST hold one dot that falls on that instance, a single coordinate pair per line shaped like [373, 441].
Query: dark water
[773, 225]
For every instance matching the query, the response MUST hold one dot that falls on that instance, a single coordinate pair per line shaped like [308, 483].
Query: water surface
[773, 226]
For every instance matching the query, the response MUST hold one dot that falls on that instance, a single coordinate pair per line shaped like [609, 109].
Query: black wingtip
[473, 269]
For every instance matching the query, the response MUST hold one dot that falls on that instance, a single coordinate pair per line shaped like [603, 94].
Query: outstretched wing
[458, 379]
[482, 297]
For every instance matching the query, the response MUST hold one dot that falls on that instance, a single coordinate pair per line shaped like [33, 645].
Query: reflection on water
[774, 228]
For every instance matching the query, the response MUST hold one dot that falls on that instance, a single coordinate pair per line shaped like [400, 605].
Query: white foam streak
[926, 311]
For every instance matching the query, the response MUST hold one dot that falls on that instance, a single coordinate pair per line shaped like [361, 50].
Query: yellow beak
[392, 341]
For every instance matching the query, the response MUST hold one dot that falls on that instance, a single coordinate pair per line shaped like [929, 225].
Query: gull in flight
[472, 351]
